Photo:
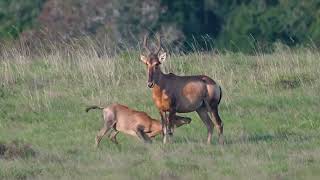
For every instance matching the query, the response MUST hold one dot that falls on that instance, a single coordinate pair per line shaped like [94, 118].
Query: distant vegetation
[227, 24]
[17, 16]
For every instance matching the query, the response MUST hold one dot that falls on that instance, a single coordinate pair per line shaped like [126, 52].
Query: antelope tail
[220, 94]
[93, 107]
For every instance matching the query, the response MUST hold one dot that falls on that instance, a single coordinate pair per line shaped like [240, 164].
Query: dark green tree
[17, 16]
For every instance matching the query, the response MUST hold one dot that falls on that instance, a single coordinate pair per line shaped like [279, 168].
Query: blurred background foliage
[237, 25]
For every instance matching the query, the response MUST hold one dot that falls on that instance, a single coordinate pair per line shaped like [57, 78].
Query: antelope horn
[145, 43]
[159, 44]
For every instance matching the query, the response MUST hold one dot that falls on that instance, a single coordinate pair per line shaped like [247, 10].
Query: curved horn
[159, 44]
[145, 43]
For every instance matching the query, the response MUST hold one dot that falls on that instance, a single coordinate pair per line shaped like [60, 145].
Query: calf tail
[93, 107]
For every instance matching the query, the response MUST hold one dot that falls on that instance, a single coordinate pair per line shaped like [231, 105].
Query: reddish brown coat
[181, 94]
[120, 118]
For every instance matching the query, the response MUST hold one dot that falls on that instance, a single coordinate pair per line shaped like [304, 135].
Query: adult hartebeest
[182, 94]
[120, 118]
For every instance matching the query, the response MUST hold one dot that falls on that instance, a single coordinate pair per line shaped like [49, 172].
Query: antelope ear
[143, 59]
[162, 57]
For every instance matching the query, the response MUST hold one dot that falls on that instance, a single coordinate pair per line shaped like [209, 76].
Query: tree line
[237, 25]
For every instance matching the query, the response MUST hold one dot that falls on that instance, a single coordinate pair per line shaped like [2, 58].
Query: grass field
[270, 108]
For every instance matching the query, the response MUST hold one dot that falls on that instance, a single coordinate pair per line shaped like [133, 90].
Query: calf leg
[109, 122]
[113, 136]
[100, 134]
[203, 114]
[142, 135]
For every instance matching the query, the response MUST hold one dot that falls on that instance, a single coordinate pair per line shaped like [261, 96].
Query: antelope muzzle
[150, 82]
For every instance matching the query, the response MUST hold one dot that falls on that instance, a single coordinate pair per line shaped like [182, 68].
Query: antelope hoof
[169, 132]
[165, 139]
[221, 140]
[114, 141]
[148, 141]
[96, 144]
[168, 138]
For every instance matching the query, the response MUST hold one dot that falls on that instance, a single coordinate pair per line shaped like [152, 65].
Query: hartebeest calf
[182, 94]
[120, 118]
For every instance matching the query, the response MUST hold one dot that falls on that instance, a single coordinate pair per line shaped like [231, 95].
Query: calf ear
[143, 59]
[162, 57]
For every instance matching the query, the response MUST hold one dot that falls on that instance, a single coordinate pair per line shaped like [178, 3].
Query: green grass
[270, 109]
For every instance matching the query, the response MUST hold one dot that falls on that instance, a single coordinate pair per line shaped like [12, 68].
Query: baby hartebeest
[181, 94]
[120, 118]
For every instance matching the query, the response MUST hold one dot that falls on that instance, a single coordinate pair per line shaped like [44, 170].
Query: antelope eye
[156, 63]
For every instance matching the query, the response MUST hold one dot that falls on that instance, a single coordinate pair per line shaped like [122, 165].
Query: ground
[270, 110]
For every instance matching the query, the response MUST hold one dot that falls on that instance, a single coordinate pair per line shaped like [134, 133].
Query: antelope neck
[158, 76]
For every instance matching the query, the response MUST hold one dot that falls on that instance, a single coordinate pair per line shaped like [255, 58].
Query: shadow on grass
[176, 139]
[16, 149]
[269, 138]
[249, 138]
[252, 138]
